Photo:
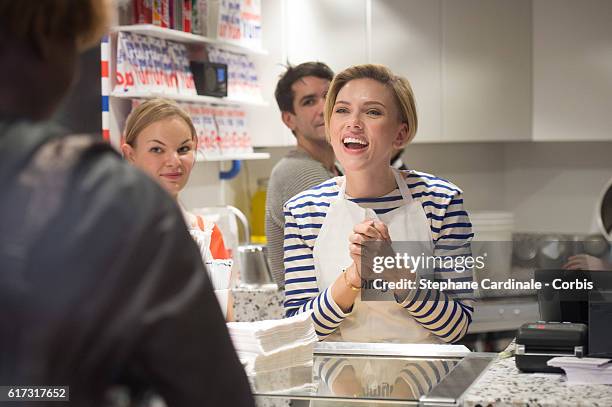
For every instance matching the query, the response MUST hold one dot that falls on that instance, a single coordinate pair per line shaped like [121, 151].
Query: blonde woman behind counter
[161, 140]
[369, 114]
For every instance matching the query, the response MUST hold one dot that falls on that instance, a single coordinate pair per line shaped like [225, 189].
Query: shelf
[184, 37]
[230, 157]
[190, 98]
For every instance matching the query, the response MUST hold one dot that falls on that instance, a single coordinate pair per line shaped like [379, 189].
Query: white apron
[371, 321]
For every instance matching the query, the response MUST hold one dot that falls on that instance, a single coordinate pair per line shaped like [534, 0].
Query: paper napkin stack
[584, 370]
[265, 346]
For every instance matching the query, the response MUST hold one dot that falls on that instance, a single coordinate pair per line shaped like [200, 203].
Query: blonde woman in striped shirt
[369, 114]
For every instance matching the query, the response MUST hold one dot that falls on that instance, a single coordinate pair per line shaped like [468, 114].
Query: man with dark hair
[100, 282]
[300, 94]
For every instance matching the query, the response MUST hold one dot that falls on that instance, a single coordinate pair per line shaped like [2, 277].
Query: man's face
[308, 101]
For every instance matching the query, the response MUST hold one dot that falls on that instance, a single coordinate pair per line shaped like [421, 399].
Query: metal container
[254, 265]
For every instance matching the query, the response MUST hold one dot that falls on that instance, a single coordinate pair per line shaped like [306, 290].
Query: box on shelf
[142, 11]
[236, 21]
[222, 131]
[250, 23]
[147, 64]
[242, 80]
[202, 15]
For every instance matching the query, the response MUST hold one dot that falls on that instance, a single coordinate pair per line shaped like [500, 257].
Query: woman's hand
[367, 231]
[344, 290]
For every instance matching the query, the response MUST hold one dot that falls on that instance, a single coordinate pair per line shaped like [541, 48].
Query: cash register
[575, 322]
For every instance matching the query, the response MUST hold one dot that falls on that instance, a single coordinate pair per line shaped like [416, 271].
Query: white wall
[476, 168]
[551, 187]
[572, 70]
[204, 187]
[554, 187]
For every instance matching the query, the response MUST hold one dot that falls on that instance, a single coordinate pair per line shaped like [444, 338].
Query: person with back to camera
[370, 114]
[100, 282]
[160, 139]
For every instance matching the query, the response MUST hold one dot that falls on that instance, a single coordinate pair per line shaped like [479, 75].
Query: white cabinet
[406, 36]
[265, 124]
[333, 32]
[482, 70]
[469, 63]
[486, 70]
[572, 71]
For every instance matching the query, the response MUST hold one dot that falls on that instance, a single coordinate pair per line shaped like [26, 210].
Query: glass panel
[356, 378]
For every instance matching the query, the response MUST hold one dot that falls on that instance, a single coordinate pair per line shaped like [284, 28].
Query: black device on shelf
[588, 303]
[538, 342]
[210, 78]
[570, 304]
[600, 324]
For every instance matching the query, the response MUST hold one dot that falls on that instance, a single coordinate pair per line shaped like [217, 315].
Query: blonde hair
[398, 85]
[152, 111]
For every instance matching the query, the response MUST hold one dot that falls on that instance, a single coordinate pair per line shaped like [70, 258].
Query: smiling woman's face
[364, 126]
[166, 151]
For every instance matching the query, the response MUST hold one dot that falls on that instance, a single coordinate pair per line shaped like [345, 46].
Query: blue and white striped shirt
[446, 314]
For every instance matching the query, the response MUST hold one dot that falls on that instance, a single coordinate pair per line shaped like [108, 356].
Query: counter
[503, 385]
[258, 303]
[422, 375]
[377, 373]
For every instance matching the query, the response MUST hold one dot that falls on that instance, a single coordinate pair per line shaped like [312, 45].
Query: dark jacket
[100, 282]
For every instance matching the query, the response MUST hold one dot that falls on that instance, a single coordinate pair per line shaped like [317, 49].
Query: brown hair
[284, 93]
[42, 23]
[39, 45]
[152, 111]
[399, 86]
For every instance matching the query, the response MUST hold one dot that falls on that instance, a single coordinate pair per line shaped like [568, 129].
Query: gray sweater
[294, 173]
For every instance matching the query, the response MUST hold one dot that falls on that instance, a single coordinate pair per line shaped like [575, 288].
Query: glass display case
[373, 374]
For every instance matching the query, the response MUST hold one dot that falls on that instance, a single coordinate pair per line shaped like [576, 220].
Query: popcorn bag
[250, 23]
[149, 64]
[155, 69]
[193, 111]
[244, 138]
[212, 141]
[170, 76]
[143, 11]
[133, 71]
[229, 20]
[157, 12]
[224, 130]
[233, 144]
[180, 60]
[124, 74]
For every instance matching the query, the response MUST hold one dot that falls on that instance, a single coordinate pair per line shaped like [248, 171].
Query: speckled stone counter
[256, 303]
[503, 385]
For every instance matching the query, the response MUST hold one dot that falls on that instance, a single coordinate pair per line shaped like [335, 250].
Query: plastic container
[492, 239]
[258, 213]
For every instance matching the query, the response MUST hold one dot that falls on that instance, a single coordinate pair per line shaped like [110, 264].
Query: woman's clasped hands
[368, 240]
